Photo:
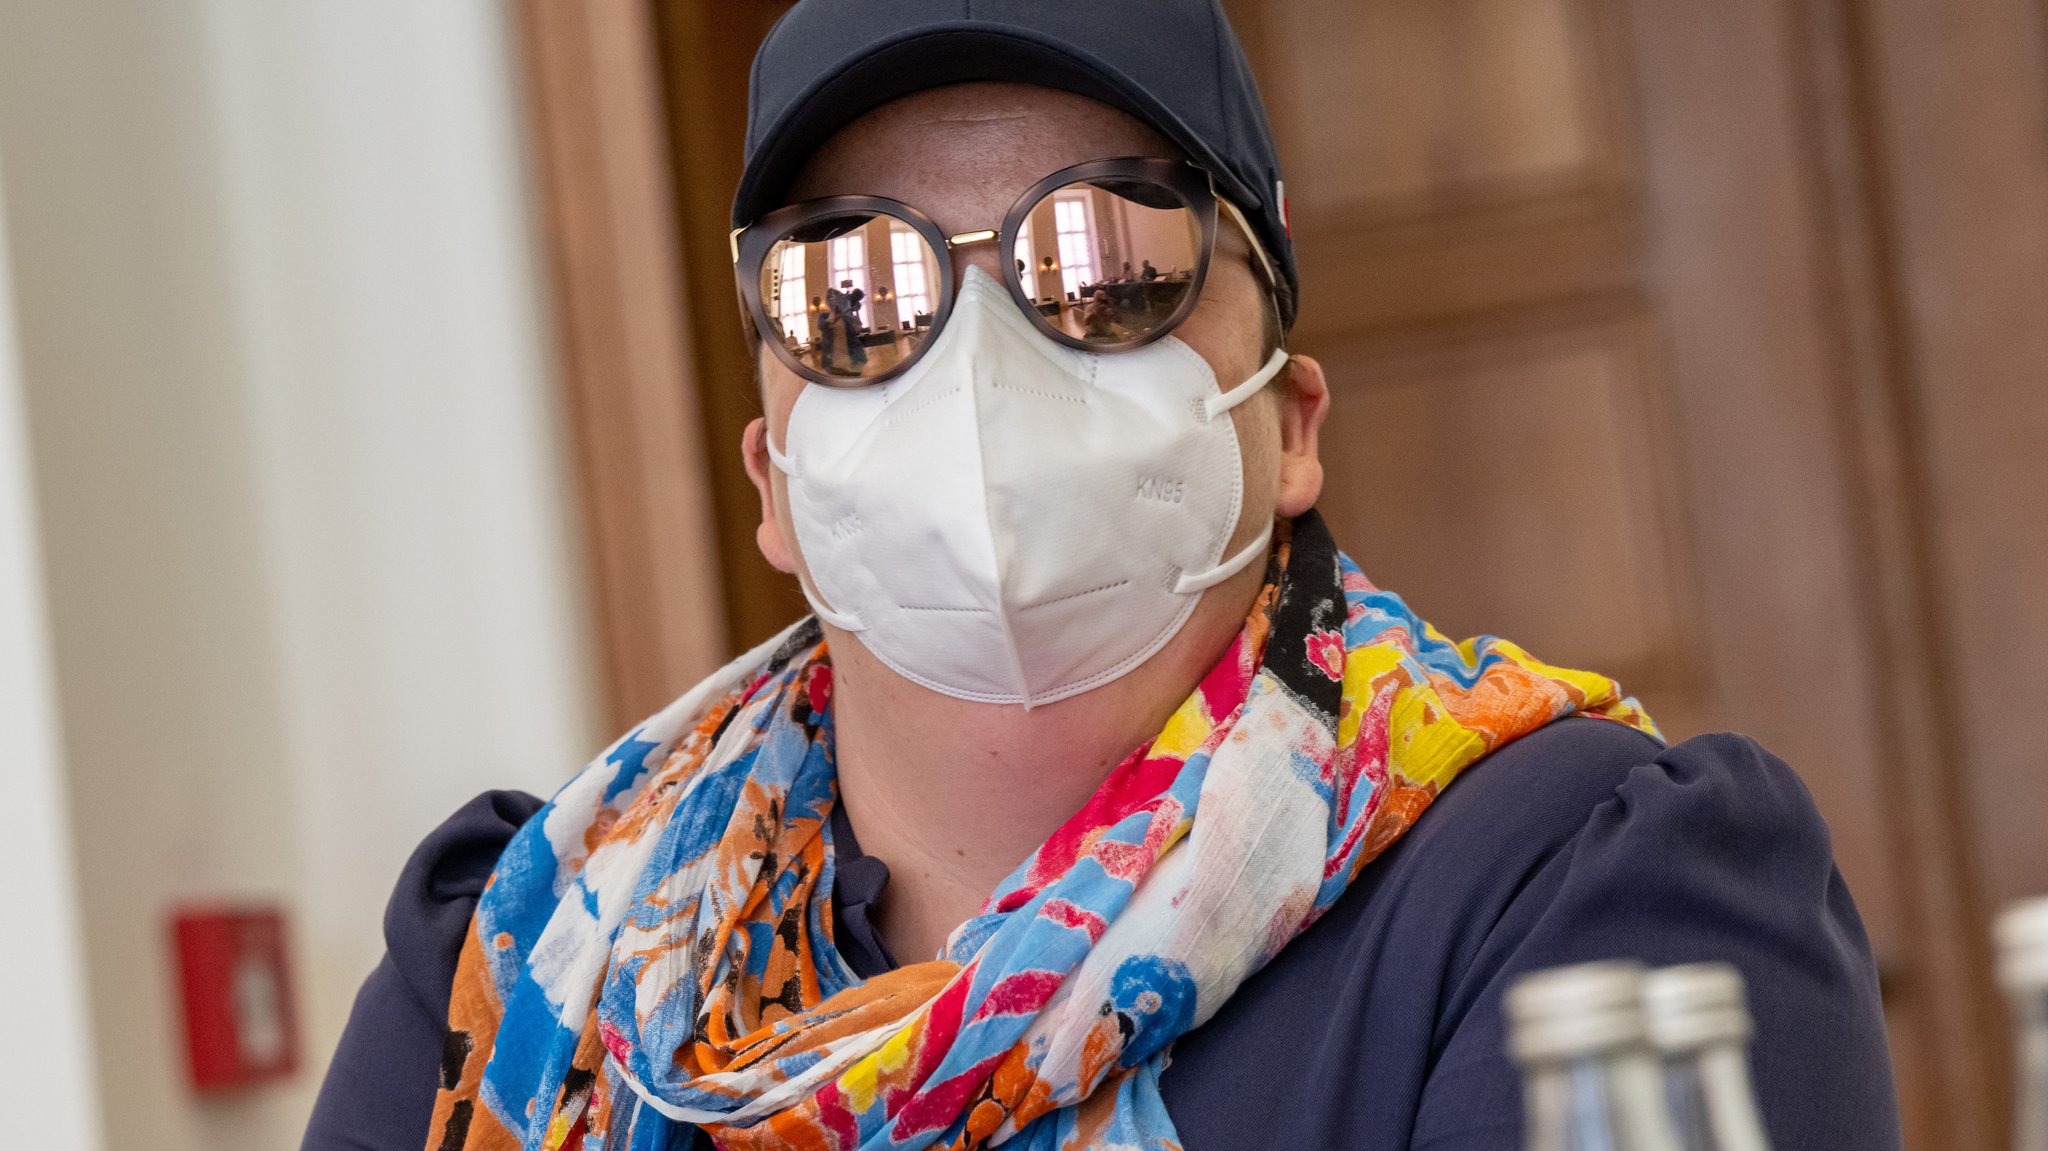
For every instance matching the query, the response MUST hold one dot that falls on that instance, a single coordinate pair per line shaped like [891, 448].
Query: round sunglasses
[1105, 256]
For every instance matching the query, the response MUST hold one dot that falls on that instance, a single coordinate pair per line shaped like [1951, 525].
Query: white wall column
[311, 565]
[47, 1086]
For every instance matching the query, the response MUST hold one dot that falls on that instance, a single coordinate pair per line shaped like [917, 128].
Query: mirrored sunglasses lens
[852, 295]
[1109, 261]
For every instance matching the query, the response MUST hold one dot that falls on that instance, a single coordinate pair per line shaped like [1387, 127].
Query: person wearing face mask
[1102, 800]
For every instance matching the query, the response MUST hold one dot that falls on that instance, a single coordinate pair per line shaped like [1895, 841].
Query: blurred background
[371, 383]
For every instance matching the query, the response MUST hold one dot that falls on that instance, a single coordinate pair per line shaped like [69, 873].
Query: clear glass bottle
[1589, 1077]
[2023, 971]
[1697, 1017]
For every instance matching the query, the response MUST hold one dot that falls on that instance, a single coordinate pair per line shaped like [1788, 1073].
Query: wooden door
[1602, 293]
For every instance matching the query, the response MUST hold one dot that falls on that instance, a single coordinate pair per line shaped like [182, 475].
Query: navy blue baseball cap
[1174, 64]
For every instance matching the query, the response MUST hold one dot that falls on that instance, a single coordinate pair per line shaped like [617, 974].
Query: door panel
[1488, 474]
[1504, 97]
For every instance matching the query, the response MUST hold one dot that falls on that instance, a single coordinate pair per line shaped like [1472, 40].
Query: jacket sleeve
[1713, 850]
[379, 1090]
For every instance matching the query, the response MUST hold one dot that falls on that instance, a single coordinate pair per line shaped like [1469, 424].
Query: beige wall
[312, 579]
[46, 1086]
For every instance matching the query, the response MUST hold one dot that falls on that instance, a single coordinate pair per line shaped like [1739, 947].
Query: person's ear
[1304, 401]
[768, 537]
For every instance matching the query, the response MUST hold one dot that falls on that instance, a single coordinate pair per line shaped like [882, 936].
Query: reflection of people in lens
[833, 335]
[1150, 273]
[1100, 317]
[844, 304]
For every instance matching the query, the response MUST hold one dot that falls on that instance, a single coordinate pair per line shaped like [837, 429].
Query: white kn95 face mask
[1014, 521]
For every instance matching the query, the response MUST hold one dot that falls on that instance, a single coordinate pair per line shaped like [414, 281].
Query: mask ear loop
[1217, 405]
[1222, 402]
[1192, 582]
[842, 620]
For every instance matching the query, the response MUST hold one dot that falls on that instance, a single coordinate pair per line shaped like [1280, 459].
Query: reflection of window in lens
[1027, 259]
[1137, 223]
[913, 290]
[1076, 238]
[848, 257]
[790, 302]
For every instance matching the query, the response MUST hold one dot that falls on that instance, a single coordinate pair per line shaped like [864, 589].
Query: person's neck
[954, 794]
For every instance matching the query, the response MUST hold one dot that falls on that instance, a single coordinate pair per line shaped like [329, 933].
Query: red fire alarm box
[239, 1025]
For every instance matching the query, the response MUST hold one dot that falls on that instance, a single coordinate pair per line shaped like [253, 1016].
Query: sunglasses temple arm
[1272, 276]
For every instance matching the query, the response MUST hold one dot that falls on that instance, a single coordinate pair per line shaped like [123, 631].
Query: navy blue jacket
[1380, 1027]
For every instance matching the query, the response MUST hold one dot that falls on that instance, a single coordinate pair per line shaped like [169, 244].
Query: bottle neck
[1713, 1103]
[2030, 1129]
[1608, 1102]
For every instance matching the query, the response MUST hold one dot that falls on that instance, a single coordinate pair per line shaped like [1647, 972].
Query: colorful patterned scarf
[655, 947]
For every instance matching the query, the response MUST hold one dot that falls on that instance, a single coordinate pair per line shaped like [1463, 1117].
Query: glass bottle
[1589, 1077]
[1697, 1017]
[2023, 970]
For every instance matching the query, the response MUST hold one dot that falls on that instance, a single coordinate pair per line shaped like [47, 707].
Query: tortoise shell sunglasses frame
[752, 244]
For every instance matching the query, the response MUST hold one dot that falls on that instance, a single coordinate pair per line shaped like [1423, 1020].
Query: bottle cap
[2022, 935]
[1695, 1005]
[1572, 1012]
